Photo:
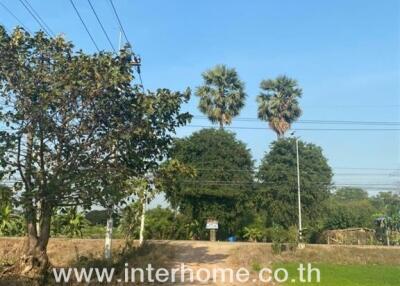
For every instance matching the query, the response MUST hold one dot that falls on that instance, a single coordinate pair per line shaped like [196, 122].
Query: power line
[84, 25]
[40, 18]
[119, 22]
[366, 168]
[101, 25]
[268, 128]
[349, 122]
[354, 106]
[275, 184]
[34, 17]
[244, 183]
[225, 171]
[15, 17]
[317, 121]
[296, 129]
[127, 40]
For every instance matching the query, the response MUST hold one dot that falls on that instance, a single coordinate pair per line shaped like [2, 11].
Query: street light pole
[298, 189]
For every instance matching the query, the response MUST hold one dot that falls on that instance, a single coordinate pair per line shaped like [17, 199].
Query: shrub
[283, 238]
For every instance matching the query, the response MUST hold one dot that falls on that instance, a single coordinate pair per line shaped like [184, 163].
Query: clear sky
[345, 55]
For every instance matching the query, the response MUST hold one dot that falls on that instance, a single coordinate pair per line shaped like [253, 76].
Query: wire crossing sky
[344, 54]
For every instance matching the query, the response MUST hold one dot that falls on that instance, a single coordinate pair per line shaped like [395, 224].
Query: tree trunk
[142, 220]
[34, 261]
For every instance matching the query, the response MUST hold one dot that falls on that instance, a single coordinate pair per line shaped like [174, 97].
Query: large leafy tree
[76, 129]
[278, 182]
[349, 194]
[349, 207]
[388, 203]
[278, 103]
[221, 95]
[222, 182]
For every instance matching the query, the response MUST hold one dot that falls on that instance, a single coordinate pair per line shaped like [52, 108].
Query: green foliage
[278, 103]
[334, 274]
[77, 127]
[277, 192]
[130, 220]
[348, 194]
[99, 217]
[283, 239]
[252, 233]
[278, 235]
[69, 222]
[11, 224]
[256, 266]
[255, 229]
[217, 190]
[161, 223]
[351, 213]
[222, 94]
[387, 203]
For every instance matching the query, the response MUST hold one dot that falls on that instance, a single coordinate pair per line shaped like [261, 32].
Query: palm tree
[278, 103]
[222, 94]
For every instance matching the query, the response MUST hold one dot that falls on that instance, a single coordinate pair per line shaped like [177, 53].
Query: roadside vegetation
[82, 144]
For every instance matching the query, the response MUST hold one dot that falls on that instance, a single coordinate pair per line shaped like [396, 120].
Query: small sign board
[212, 224]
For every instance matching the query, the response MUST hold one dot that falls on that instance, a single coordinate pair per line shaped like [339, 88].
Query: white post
[298, 190]
[143, 218]
[107, 246]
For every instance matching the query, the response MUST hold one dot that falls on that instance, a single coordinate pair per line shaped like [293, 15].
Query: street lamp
[298, 187]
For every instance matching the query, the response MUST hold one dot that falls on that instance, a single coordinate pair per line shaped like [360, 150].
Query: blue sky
[344, 54]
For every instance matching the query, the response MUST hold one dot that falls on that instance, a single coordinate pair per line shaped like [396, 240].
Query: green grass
[99, 231]
[347, 275]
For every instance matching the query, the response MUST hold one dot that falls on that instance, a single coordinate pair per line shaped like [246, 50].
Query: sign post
[212, 225]
[107, 246]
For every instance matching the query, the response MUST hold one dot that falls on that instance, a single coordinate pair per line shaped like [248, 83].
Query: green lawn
[346, 275]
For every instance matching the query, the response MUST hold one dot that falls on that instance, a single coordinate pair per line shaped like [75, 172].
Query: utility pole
[298, 190]
[301, 245]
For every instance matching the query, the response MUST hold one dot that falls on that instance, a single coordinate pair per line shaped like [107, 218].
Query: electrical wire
[101, 25]
[34, 17]
[84, 25]
[295, 129]
[119, 22]
[317, 121]
[127, 40]
[15, 17]
[40, 18]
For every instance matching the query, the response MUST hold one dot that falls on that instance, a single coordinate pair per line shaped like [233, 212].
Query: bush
[253, 233]
[161, 223]
[69, 222]
[283, 239]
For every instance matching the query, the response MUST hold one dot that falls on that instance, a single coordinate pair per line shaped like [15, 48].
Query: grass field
[347, 275]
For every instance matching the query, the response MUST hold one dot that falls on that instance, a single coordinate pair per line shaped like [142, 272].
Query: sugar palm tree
[278, 103]
[222, 94]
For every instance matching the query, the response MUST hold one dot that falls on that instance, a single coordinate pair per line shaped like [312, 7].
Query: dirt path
[212, 260]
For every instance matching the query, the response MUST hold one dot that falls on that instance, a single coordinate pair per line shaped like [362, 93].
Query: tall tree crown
[278, 103]
[222, 95]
